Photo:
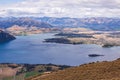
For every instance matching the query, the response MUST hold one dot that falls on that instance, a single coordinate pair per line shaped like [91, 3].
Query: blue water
[31, 49]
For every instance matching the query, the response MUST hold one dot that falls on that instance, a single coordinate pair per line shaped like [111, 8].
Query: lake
[31, 49]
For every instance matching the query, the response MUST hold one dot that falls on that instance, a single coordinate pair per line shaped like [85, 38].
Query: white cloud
[63, 8]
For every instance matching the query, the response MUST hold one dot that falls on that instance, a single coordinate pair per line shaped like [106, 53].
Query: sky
[60, 8]
[2, 2]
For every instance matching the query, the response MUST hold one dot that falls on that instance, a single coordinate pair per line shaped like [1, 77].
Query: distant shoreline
[105, 39]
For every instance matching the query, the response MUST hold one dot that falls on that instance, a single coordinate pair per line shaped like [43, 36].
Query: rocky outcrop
[5, 37]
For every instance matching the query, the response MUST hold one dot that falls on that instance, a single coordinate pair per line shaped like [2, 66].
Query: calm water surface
[31, 49]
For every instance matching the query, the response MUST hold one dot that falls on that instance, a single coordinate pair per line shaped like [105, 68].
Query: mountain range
[24, 22]
[98, 23]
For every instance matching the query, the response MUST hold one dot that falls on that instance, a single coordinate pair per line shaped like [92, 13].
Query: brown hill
[92, 71]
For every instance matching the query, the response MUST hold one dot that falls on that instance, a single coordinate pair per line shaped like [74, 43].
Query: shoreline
[39, 69]
[106, 39]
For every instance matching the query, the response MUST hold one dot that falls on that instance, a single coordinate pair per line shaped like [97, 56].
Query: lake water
[31, 49]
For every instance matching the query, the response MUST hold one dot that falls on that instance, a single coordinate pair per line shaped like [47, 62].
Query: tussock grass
[92, 71]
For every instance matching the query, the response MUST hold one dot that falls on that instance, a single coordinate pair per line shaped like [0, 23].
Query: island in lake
[80, 36]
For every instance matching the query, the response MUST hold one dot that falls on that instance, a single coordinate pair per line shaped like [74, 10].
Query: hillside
[92, 71]
[8, 70]
[5, 37]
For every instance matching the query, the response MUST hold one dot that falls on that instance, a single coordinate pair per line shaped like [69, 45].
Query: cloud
[63, 8]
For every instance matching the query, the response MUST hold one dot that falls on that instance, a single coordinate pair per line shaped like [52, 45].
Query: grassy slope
[92, 71]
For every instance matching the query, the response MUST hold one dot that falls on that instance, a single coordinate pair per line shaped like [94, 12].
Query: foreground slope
[91, 71]
[8, 70]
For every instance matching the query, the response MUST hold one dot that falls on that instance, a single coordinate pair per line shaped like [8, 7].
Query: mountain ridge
[98, 23]
[25, 22]
[94, 23]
